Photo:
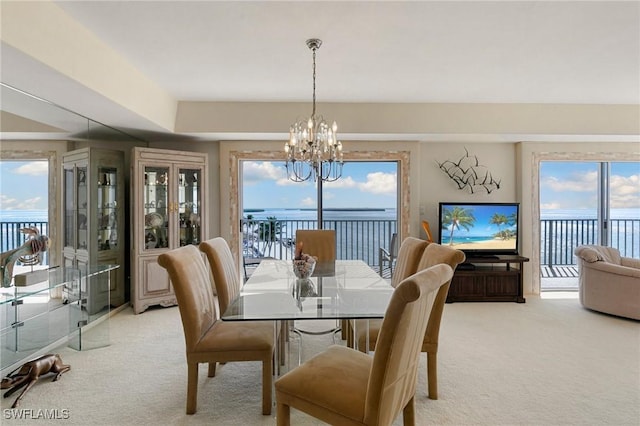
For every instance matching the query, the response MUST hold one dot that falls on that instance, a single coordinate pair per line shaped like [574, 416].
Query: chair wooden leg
[192, 387]
[212, 369]
[432, 374]
[283, 415]
[409, 414]
[267, 377]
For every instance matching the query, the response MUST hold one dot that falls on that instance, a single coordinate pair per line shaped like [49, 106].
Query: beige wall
[514, 164]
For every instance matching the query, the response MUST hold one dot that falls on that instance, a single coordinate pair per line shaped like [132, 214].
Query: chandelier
[313, 149]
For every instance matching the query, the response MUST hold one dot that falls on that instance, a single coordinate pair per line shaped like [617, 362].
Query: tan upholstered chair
[226, 279]
[320, 243]
[208, 340]
[223, 270]
[434, 254]
[346, 387]
[409, 256]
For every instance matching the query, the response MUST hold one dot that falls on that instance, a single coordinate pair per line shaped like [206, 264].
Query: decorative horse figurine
[28, 253]
[27, 375]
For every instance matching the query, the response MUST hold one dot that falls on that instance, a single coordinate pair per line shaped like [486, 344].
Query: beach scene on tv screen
[479, 227]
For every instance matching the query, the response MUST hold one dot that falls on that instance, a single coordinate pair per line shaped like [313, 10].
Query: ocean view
[627, 238]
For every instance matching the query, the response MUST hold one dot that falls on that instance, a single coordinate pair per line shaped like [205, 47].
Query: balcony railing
[361, 239]
[559, 237]
[355, 239]
[11, 237]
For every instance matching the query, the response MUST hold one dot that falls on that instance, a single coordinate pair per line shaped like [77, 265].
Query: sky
[574, 185]
[23, 185]
[564, 185]
[362, 185]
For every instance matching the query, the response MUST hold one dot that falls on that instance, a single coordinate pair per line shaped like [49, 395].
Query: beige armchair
[609, 283]
[342, 386]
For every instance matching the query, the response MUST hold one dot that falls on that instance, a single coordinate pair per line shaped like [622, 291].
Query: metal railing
[559, 237]
[361, 239]
[11, 237]
[355, 239]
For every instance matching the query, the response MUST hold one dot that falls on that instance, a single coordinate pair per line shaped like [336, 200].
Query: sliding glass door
[586, 202]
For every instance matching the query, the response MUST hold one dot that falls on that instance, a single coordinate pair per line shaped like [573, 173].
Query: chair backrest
[191, 282]
[223, 270]
[409, 256]
[320, 243]
[435, 254]
[392, 382]
[394, 245]
[593, 253]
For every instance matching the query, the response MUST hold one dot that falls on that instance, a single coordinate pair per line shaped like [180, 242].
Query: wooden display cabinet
[488, 279]
[93, 222]
[168, 211]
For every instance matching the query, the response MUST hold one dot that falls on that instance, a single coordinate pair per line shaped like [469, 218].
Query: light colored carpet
[545, 362]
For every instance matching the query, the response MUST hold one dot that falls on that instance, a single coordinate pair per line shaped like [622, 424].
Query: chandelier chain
[313, 113]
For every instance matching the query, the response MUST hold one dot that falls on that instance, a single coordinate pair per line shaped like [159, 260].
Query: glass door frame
[235, 157]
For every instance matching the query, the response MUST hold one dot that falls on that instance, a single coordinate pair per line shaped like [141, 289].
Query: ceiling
[373, 52]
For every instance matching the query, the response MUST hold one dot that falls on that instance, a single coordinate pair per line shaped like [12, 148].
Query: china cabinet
[93, 220]
[168, 212]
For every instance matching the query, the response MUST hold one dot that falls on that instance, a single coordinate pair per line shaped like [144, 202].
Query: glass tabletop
[345, 289]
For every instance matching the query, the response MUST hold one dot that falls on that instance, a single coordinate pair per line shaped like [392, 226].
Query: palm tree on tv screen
[500, 220]
[457, 218]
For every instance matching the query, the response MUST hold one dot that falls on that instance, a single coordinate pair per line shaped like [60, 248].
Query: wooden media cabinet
[488, 279]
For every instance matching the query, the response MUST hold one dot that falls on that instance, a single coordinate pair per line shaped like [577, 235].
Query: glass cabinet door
[69, 209]
[156, 207]
[82, 193]
[189, 198]
[107, 228]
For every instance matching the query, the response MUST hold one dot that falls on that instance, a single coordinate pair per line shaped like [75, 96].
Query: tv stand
[488, 279]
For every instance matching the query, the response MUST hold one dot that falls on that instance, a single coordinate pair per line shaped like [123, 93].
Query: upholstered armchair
[608, 282]
[346, 387]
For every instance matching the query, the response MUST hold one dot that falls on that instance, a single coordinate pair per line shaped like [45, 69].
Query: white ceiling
[562, 52]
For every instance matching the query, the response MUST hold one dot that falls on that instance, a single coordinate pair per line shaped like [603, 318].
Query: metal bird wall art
[468, 173]
[27, 254]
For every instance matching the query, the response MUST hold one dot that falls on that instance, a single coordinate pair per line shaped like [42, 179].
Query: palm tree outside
[270, 232]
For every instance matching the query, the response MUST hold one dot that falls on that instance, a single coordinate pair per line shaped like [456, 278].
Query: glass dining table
[340, 290]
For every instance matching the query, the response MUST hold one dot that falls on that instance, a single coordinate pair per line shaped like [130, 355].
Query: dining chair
[389, 255]
[409, 256]
[226, 279]
[344, 386]
[223, 270]
[434, 254]
[320, 243]
[207, 339]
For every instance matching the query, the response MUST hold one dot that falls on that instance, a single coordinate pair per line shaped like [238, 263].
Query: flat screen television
[480, 229]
